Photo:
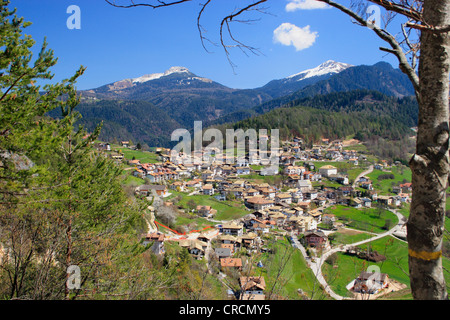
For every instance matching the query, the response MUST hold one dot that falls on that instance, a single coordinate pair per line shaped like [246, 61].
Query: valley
[150, 108]
[306, 197]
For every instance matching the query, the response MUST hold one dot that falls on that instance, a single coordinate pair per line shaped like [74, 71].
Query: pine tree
[61, 202]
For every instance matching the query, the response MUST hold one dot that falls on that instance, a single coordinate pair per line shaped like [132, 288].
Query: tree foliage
[61, 202]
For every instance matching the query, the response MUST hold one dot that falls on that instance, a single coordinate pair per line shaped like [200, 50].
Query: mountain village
[296, 207]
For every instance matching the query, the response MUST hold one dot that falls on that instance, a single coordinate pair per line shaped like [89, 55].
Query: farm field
[365, 219]
[401, 175]
[226, 210]
[295, 273]
[346, 267]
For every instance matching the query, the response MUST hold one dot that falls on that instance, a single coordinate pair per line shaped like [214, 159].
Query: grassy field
[365, 219]
[401, 175]
[395, 265]
[132, 180]
[226, 210]
[257, 178]
[295, 273]
[143, 156]
[349, 267]
[358, 148]
[345, 236]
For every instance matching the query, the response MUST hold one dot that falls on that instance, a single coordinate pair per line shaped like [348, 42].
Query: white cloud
[289, 34]
[294, 5]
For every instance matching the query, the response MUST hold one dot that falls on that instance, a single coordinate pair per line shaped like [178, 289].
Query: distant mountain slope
[336, 115]
[295, 82]
[148, 108]
[380, 77]
[188, 97]
[180, 93]
[369, 116]
[139, 121]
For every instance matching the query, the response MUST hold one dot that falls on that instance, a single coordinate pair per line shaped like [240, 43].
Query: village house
[116, 156]
[248, 240]
[328, 170]
[346, 191]
[147, 190]
[236, 191]
[339, 178]
[139, 173]
[304, 185]
[366, 185]
[134, 162]
[195, 247]
[224, 251]
[195, 183]
[207, 174]
[242, 170]
[232, 229]
[356, 203]
[406, 187]
[278, 217]
[208, 189]
[252, 192]
[231, 263]
[385, 200]
[311, 195]
[206, 211]
[283, 198]
[205, 237]
[404, 197]
[178, 186]
[267, 192]
[103, 146]
[320, 201]
[258, 203]
[253, 223]
[158, 242]
[315, 238]
[328, 219]
[372, 283]
[252, 288]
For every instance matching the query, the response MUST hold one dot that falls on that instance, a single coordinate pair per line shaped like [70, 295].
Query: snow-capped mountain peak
[327, 67]
[154, 76]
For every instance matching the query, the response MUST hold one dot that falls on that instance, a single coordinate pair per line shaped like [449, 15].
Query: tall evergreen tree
[61, 202]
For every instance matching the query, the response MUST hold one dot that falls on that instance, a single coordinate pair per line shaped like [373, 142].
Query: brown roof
[231, 262]
[250, 282]
[259, 200]
[155, 237]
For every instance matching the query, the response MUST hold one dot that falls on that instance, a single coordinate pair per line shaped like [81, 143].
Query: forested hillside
[369, 116]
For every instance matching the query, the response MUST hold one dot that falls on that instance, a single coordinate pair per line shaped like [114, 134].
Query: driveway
[369, 170]
[316, 266]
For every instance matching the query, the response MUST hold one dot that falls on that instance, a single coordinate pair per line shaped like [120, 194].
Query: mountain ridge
[141, 108]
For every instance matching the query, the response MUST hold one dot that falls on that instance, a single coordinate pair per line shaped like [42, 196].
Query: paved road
[369, 170]
[316, 266]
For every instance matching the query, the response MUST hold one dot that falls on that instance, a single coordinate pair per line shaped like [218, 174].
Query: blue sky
[115, 43]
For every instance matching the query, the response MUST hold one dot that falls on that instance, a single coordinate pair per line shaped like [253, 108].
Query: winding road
[316, 267]
[369, 170]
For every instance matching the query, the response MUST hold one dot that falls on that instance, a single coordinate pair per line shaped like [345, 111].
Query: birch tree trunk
[430, 164]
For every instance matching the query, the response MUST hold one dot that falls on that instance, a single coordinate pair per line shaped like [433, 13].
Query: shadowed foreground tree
[62, 204]
[423, 55]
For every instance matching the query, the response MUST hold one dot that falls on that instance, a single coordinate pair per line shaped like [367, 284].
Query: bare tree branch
[158, 4]
[396, 49]
[225, 24]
